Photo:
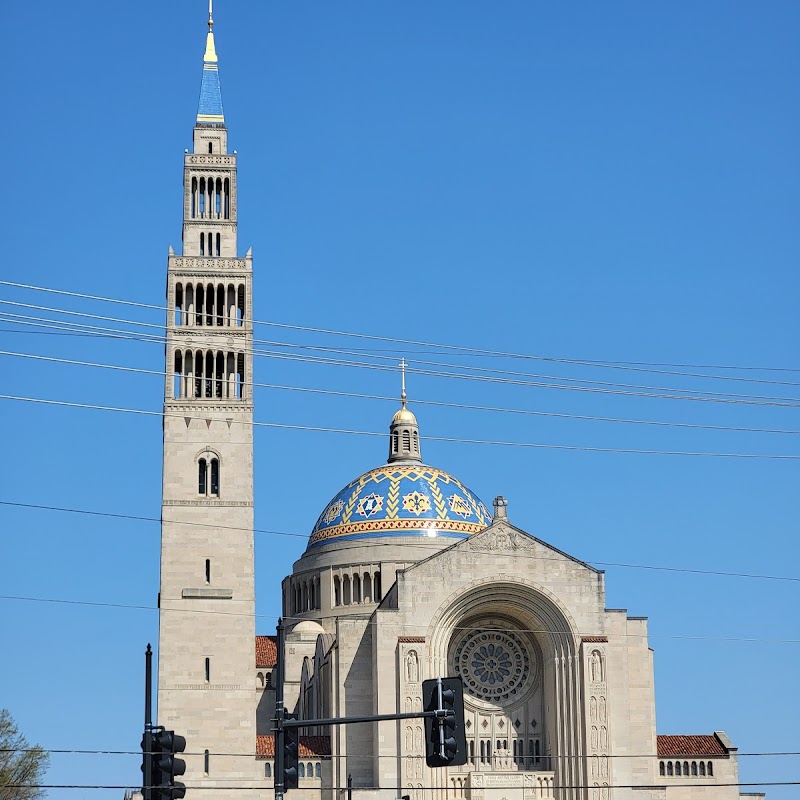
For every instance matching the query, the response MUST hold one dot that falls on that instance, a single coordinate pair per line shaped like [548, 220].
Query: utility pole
[280, 713]
[147, 739]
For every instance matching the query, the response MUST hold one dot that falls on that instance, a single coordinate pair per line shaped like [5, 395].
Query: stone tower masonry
[206, 653]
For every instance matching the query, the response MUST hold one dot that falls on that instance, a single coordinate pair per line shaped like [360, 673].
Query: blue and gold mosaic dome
[401, 500]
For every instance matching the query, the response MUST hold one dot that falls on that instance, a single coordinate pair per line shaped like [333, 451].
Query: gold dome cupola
[404, 430]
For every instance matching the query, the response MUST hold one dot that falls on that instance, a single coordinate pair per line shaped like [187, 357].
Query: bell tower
[206, 655]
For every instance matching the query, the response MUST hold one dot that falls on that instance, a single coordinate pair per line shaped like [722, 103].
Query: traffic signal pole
[279, 715]
[445, 714]
[147, 747]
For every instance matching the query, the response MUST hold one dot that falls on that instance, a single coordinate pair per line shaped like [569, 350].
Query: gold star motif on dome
[333, 511]
[369, 505]
[416, 503]
[459, 505]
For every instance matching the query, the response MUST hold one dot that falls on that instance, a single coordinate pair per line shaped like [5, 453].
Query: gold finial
[210, 56]
[403, 380]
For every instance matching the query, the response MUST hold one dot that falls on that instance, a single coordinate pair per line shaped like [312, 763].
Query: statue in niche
[409, 739]
[604, 766]
[594, 737]
[417, 768]
[418, 739]
[410, 768]
[596, 792]
[596, 666]
[595, 767]
[602, 709]
[409, 705]
[412, 667]
[593, 709]
[605, 791]
[603, 737]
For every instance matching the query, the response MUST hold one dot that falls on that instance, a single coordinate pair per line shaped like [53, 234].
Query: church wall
[356, 697]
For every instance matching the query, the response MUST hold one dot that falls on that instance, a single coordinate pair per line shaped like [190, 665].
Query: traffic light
[445, 737]
[291, 753]
[165, 766]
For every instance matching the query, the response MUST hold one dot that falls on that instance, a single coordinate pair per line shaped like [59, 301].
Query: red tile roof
[594, 639]
[690, 746]
[411, 639]
[310, 746]
[266, 651]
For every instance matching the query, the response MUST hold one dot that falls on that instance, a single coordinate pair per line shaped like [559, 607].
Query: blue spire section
[209, 109]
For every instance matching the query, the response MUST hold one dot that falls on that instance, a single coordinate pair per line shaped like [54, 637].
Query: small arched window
[267, 769]
[206, 761]
[318, 770]
[710, 769]
[202, 244]
[703, 768]
[661, 770]
[669, 768]
[202, 477]
[685, 767]
[309, 770]
[677, 767]
[694, 768]
[337, 591]
[406, 441]
[301, 770]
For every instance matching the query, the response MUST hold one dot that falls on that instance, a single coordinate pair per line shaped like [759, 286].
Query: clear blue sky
[611, 181]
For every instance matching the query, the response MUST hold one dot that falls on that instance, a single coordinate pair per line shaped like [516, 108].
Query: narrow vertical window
[178, 318]
[210, 148]
[193, 210]
[694, 768]
[703, 768]
[202, 244]
[206, 754]
[406, 441]
[218, 244]
[318, 770]
[710, 770]
[215, 477]
[202, 477]
[661, 770]
[177, 377]
[208, 670]
[227, 199]
[267, 770]
[337, 591]
[208, 570]
[377, 587]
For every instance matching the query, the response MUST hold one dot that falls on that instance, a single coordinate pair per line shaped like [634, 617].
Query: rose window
[495, 665]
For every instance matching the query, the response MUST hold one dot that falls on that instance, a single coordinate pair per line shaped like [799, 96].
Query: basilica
[406, 575]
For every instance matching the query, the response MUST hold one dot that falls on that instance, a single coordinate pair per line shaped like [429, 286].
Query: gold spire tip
[210, 15]
[403, 382]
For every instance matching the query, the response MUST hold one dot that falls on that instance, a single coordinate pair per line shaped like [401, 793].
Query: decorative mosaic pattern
[402, 500]
[495, 665]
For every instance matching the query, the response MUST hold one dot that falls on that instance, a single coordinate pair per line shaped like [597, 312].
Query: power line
[449, 347]
[72, 751]
[341, 546]
[540, 382]
[183, 611]
[450, 439]
[197, 787]
[417, 401]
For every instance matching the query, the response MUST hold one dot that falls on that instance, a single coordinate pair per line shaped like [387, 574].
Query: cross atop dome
[404, 430]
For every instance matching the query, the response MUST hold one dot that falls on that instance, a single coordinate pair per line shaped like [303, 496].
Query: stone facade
[406, 576]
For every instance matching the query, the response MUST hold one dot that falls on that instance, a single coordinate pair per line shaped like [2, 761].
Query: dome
[308, 626]
[404, 417]
[401, 500]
